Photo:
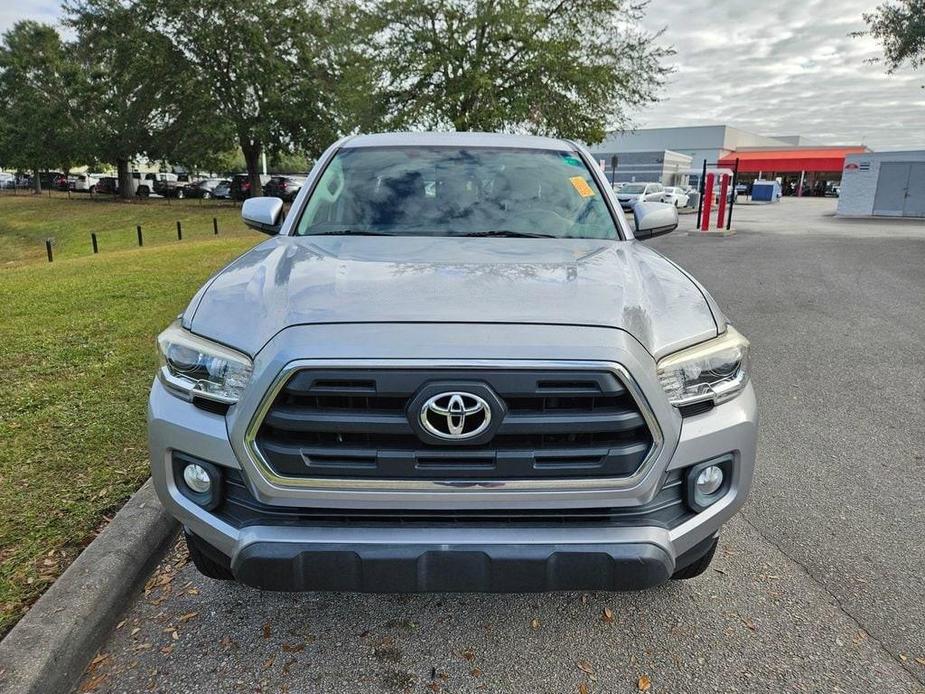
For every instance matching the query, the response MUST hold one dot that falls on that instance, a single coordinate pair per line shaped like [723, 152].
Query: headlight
[715, 370]
[197, 367]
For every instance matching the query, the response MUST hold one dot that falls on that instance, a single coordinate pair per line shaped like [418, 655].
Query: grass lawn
[77, 351]
[27, 220]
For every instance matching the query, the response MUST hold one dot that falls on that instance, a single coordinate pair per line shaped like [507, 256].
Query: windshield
[633, 188]
[455, 191]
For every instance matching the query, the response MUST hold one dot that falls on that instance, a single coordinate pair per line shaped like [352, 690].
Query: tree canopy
[264, 66]
[192, 82]
[542, 66]
[40, 88]
[900, 28]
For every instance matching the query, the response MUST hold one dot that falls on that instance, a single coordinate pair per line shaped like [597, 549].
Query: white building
[889, 184]
[710, 142]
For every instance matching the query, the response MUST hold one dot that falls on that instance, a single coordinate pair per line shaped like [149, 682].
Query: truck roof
[467, 139]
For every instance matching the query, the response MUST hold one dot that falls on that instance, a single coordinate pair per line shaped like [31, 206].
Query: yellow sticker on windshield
[581, 185]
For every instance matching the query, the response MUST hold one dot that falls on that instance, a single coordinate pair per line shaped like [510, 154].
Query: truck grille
[361, 423]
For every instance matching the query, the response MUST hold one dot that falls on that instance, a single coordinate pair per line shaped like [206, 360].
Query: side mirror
[654, 219]
[263, 214]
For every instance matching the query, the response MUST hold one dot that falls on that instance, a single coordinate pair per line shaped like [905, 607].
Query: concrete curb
[51, 645]
[714, 233]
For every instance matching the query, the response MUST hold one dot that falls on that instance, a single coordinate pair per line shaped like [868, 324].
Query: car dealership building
[791, 158]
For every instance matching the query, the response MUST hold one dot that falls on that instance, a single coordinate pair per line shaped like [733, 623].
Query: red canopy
[809, 159]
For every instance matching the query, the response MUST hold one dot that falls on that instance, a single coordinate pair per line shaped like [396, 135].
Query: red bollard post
[707, 203]
[721, 209]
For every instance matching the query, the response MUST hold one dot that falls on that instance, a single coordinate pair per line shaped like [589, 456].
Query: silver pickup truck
[454, 366]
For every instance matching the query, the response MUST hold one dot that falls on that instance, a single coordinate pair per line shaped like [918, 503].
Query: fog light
[708, 482]
[198, 479]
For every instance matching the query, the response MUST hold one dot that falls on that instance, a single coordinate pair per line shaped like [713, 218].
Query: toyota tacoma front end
[453, 367]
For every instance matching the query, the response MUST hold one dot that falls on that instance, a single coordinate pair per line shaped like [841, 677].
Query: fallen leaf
[476, 672]
[535, 624]
[188, 616]
[135, 630]
[268, 663]
[120, 624]
[920, 661]
[92, 684]
[585, 667]
[583, 688]
[168, 649]
[607, 616]
[293, 647]
[174, 635]
[267, 631]
[644, 684]
[468, 654]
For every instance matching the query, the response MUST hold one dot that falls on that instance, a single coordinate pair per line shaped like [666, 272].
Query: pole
[800, 189]
[141, 241]
[732, 202]
[703, 176]
[215, 225]
[96, 248]
[707, 203]
[613, 170]
[179, 231]
[721, 209]
[48, 249]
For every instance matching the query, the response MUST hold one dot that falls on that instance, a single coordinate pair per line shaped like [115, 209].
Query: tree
[39, 88]
[543, 66]
[266, 67]
[900, 28]
[138, 99]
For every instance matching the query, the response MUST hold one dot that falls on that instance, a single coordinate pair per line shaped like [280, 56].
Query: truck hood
[289, 281]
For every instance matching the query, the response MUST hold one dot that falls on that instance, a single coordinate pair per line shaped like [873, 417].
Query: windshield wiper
[349, 232]
[502, 233]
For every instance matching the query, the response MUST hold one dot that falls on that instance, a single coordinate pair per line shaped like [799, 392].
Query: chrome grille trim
[461, 486]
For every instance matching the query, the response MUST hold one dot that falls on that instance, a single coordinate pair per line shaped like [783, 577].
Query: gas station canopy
[808, 159]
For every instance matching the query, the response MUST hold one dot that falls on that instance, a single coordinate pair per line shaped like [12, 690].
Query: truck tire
[143, 192]
[698, 566]
[207, 566]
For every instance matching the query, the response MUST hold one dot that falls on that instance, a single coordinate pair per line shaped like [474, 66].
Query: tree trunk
[36, 182]
[252, 151]
[125, 179]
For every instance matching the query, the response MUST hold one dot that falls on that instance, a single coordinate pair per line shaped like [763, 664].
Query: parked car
[168, 185]
[631, 193]
[223, 190]
[85, 183]
[284, 187]
[7, 180]
[241, 185]
[107, 185]
[203, 188]
[503, 390]
[49, 179]
[676, 196]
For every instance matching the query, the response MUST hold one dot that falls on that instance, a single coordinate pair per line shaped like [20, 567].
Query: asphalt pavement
[816, 587]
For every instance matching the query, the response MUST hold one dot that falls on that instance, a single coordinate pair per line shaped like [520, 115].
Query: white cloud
[784, 68]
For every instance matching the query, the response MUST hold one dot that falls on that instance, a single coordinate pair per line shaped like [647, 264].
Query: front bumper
[482, 557]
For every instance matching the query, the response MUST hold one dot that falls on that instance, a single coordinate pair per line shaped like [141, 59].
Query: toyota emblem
[455, 416]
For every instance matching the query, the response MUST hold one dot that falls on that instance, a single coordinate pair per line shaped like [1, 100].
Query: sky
[785, 67]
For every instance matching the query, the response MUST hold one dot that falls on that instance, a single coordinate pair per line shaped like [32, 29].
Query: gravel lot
[817, 585]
